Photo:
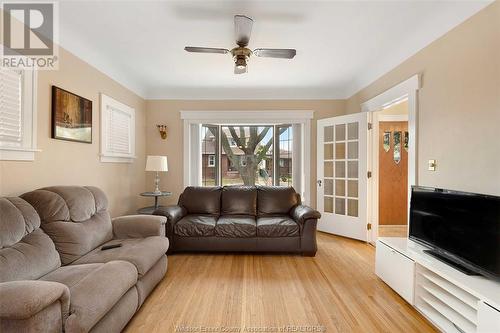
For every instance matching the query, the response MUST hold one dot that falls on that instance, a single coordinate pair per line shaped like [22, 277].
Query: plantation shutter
[119, 123]
[117, 131]
[10, 108]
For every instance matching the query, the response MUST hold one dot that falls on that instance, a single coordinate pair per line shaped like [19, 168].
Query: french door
[342, 175]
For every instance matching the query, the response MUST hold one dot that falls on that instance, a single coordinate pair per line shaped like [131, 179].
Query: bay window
[247, 148]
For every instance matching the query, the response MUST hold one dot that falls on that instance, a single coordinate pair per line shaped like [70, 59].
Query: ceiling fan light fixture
[241, 62]
[241, 53]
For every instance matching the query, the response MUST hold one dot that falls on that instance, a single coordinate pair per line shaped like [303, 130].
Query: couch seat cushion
[277, 226]
[142, 252]
[236, 226]
[195, 226]
[94, 290]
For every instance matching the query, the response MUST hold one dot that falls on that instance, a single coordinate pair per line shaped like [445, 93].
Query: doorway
[347, 195]
[390, 170]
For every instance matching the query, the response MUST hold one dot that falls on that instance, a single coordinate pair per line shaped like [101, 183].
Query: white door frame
[404, 90]
[376, 118]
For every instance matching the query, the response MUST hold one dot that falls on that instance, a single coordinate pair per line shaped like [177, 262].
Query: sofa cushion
[277, 226]
[76, 218]
[239, 200]
[26, 252]
[195, 226]
[94, 290]
[276, 200]
[142, 252]
[201, 200]
[236, 226]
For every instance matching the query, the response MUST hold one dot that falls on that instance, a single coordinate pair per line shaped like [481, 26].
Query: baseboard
[393, 230]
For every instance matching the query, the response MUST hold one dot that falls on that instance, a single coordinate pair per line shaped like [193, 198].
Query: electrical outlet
[432, 165]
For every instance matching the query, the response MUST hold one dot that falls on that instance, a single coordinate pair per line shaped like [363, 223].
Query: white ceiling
[341, 46]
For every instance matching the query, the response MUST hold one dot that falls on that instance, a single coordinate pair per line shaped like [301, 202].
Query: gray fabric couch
[54, 276]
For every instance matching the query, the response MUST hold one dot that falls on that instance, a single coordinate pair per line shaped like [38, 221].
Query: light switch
[432, 165]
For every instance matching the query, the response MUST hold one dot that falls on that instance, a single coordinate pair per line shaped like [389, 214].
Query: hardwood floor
[336, 290]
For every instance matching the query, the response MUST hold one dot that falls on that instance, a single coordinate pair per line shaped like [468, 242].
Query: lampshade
[157, 163]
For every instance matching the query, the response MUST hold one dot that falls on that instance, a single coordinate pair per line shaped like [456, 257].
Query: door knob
[319, 182]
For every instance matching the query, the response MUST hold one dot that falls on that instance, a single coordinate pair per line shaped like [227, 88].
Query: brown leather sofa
[54, 277]
[241, 219]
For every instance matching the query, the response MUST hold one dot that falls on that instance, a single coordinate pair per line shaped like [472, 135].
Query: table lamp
[157, 163]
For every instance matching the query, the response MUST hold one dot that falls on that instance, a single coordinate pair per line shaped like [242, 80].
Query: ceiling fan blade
[242, 29]
[205, 50]
[275, 53]
[240, 70]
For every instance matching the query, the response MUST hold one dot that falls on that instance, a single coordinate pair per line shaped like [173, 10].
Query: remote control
[107, 247]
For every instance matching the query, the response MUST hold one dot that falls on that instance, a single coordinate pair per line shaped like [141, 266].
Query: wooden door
[342, 175]
[393, 175]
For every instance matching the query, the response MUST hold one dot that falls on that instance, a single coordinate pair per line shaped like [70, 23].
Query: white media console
[452, 301]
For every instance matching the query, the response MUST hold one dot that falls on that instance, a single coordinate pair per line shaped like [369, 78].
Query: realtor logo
[28, 37]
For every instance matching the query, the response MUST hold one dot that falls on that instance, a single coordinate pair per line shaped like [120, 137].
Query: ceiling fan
[241, 54]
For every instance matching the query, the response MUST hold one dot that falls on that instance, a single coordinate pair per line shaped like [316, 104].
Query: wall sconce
[163, 131]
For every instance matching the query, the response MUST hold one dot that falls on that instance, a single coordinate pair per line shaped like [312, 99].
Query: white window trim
[26, 152]
[194, 119]
[110, 157]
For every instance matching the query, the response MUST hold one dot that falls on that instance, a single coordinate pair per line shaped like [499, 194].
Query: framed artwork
[71, 116]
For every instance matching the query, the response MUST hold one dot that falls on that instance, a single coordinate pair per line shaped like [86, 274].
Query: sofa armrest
[24, 299]
[173, 214]
[303, 213]
[138, 226]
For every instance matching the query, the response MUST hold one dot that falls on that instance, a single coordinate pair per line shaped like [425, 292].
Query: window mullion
[218, 157]
[275, 154]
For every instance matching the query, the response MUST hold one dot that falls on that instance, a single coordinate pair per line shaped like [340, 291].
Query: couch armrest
[303, 213]
[23, 299]
[173, 214]
[138, 226]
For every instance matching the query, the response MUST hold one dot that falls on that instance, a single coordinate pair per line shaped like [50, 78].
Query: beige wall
[459, 104]
[398, 109]
[459, 116]
[69, 163]
[167, 112]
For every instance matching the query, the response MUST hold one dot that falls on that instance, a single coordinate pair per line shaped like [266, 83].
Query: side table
[149, 210]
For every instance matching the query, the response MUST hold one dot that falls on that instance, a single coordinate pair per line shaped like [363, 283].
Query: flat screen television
[462, 229]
